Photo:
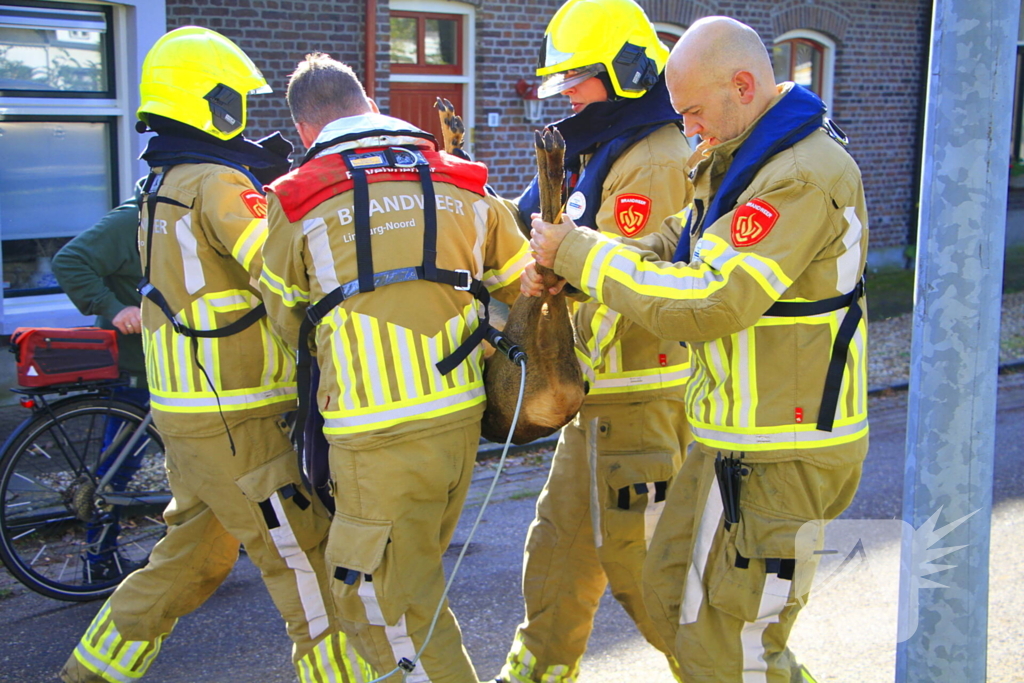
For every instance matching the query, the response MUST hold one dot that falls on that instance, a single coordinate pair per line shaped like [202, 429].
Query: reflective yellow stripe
[250, 242]
[230, 400]
[289, 294]
[797, 436]
[104, 652]
[641, 380]
[513, 268]
[433, 405]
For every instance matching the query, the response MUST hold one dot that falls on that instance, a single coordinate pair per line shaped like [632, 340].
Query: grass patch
[5, 593]
[891, 292]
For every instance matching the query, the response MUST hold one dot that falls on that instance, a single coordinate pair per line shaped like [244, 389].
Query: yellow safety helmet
[590, 37]
[198, 77]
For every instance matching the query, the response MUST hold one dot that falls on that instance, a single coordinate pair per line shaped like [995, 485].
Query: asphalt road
[847, 632]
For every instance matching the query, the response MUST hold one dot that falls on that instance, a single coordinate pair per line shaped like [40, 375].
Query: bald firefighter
[383, 253]
[219, 378]
[771, 304]
[626, 172]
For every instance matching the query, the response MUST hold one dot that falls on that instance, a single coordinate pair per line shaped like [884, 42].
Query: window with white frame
[808, 59]
[68, 93]
[59, 171]
[433, 50]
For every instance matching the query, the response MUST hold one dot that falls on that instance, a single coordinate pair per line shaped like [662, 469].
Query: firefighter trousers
[398, 502]
[595, 518]
[727, 598]
[254, 497]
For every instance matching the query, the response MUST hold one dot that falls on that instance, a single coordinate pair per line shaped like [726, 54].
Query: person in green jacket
[99, 270]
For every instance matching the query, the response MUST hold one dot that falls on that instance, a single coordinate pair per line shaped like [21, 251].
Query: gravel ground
[889, 343]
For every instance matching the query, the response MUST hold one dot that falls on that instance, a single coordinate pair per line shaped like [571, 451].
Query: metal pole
[955, 348]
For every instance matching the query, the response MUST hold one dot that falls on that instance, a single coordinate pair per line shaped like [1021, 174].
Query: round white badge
[576, 205]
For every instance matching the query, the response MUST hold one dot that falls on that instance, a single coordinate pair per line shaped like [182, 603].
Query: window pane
[54, 183]
[780, 60]
[403, 40]
[806, 67]
[53, 50]
[440, 43]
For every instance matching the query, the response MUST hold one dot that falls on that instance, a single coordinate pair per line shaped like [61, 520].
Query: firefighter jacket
[622, 360]
[378, 350]
[625, 172]
[206, 259]
[796, 233]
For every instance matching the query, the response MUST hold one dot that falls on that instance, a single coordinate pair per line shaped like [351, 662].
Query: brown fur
[542, 327]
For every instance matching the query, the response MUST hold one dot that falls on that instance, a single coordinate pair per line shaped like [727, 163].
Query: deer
[540, 326]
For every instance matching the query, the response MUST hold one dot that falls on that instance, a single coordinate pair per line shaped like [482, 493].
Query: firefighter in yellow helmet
[765, 283]
[219, 378]
[626, 172]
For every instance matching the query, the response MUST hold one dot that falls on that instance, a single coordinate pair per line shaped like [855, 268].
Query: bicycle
[82, 490]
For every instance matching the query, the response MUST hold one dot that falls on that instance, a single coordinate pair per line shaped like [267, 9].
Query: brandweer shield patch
[256, 203]
[752, 222]
[631, 213]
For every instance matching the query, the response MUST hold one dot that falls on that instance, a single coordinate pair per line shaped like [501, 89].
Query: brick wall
[276, 34]
[880, 57]
[878, 85]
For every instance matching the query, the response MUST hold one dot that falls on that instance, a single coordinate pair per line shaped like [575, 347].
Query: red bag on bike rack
[53, 355]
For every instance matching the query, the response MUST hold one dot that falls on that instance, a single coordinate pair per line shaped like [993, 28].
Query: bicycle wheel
[82, 493]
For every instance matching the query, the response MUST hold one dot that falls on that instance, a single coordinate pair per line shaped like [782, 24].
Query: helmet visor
[262, 90]
[563, 80]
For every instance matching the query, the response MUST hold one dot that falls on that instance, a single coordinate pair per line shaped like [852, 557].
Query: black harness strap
[367, 281]
[149, 290]
[840, 347]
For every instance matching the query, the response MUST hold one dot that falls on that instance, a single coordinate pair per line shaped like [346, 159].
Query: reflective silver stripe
[227, 401]
[455, 328]
[654, 377]
[194, 279]
[93, 663]
[371, 605]
[289, 294]
[315, 230]
[343, 366]
[652, 513]
[403, 648]
[596, 504]
[373, 374]
[511, 270]
[183, 354]
[480, 212]
[402, 340]
[606, 319]
[693, 588]
[231, 300]
[404, 412]
[207, 345]
[433, 353]
[718, 396]
[848, 263]
[245, 251]
[305, 577]
[798, 434]
[774, 597]
[596, 267]
[742, 409]
[672, 283]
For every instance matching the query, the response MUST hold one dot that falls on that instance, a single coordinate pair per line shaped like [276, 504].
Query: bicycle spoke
[36, 558]
[23, 535]
[42, 487]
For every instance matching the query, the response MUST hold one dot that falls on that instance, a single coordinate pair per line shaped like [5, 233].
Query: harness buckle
[469, 280]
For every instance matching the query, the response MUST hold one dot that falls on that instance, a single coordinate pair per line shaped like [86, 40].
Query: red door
[414, 102]
[425, 46]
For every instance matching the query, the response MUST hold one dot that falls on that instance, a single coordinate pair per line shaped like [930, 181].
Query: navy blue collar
[795, 116]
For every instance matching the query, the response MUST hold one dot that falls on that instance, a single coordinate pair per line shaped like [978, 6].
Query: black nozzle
[506, 346]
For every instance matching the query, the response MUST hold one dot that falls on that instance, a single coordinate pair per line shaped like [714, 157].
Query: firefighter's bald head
[720, 78]
[321, 90]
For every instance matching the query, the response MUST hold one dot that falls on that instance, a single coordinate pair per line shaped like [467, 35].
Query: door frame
[467, 78]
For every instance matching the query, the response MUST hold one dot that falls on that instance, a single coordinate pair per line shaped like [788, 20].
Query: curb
[490, 450]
